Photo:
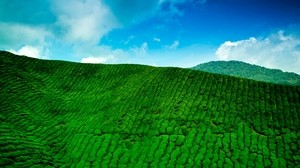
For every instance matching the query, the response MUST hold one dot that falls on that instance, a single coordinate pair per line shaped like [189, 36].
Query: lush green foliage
[61, 114]
[244, 70]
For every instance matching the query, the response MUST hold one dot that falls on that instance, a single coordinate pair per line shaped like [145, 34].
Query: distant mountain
[249, 71]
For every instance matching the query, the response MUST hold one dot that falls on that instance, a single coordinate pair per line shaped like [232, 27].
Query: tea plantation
[62, 114]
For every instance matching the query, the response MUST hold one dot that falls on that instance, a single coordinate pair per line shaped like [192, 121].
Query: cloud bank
[28, 51]
[278, 50]
[83, 21]
[77, 25]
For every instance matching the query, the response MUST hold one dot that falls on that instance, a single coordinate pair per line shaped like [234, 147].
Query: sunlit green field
[61, 114]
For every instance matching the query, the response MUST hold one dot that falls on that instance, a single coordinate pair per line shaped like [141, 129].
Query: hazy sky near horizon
[180, 33]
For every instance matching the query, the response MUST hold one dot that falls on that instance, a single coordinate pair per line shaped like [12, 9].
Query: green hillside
[245, 70]
[62, 114]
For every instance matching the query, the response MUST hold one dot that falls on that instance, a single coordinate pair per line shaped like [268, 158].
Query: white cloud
[100, 54]
[96, 60]
[140, 51]
[131, 37]
[30, 51]
[84, 20]
[224, 51]
[278, 51]
[156, 39]
[174, 45]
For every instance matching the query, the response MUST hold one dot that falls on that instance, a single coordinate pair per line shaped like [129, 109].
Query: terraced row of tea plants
[61, 114]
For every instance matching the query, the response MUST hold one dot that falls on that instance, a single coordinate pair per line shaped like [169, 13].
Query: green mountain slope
[62, 114]
[245, 70]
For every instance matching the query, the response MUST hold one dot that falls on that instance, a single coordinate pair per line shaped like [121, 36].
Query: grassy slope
[245, 70]
[64, 114]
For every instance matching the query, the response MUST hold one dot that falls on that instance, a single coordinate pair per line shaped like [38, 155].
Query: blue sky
[180, 33]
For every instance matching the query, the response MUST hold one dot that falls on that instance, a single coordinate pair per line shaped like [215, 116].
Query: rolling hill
[249, 71]
[63, 114]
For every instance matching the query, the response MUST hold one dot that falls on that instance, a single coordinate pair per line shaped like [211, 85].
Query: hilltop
[63, 114]
[249, 71]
